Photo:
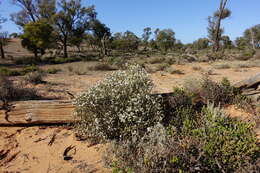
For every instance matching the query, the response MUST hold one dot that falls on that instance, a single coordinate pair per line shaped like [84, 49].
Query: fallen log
[47, 112]
[252, 82]
[37, 113]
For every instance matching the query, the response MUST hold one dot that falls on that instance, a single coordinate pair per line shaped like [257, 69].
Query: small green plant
[8, 72]
[53, 70]
[29, 69]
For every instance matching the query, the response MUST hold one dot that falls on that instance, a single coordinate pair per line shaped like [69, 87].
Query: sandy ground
[29, 149]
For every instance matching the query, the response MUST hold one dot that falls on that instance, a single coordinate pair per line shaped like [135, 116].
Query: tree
[3, 42]
[72, 17]
[214, 28]
[165, 39]
[226, 42]
[126, 42]
[146, 36]
[37, 36]
[33, 10]
[252, 36]
[3, 38]
[241, 43]
[201, 43]
[102, 35]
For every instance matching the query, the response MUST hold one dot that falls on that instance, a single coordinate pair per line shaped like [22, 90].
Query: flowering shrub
[119, 106]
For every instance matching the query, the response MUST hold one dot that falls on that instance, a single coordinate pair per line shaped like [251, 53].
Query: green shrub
[216, 144]
[9, 92]
[25, 61]
[156, 60]
[213, 92]
[53, 70]
[162, 67]
[246, 54]
[35, 77]
[8, 72]
[29, 69]
[118, 106]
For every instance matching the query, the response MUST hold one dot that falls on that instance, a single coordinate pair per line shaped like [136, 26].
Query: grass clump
[9, 92]
[35, 77]
[197, 68]
[102, 67]
[156, 60]
[222, 66]
[53, 70]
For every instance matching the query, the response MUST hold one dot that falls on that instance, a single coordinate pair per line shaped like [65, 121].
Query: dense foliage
[179, 132]
[118, 106]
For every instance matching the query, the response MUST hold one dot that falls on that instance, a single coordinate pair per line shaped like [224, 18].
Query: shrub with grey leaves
[119, 106]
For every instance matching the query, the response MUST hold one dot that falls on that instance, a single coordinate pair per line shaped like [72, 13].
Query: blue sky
[188, 18]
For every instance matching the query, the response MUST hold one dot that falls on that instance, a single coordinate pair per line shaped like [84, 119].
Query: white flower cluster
[119, 106]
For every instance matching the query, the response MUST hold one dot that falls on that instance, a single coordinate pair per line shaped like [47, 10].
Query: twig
[52, 139]
[66, 151]
[220, 167]
[17, 131]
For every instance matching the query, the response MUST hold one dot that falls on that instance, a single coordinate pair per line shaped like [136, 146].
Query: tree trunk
[36, 54]
[252, 38]
[65, 51]
[217, 39]
[2, 50]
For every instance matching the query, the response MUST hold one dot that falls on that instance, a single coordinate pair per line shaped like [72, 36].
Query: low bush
[162, 67]
[118, 106]
[246, 55]
[8, 72]
[197, 68]
[9, 92]
[165, 133]
[53, 70]
[102, 67]
[29, 69]
[156, 60]
[222, 66]
[216, 143]
[35, 77]
[25, 61]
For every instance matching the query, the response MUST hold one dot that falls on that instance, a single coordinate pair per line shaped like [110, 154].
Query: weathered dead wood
[38, 112]
[252, 82]
[66, 152]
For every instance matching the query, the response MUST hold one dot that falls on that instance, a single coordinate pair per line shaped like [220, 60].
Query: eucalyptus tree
[37, 36]
[147, 32]
[72, 17]
[165, 39]
[214, 24]
[33, 10]
[3, 38]
[101, 34]
[252, 36]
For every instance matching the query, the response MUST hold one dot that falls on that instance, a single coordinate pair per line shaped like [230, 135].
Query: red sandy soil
[28, 149]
